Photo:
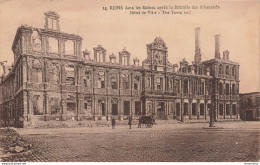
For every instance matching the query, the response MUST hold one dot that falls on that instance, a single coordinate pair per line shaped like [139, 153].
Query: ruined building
[53, 79]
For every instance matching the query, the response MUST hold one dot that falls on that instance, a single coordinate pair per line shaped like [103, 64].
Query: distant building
[250, 106]
[53, 79]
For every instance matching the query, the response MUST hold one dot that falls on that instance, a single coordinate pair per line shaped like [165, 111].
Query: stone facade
[52, 79]
[250, 106]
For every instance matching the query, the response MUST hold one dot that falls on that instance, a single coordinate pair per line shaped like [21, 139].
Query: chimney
[197, 57]
[217, 46]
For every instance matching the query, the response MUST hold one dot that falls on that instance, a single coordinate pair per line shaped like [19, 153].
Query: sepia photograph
[129, 81]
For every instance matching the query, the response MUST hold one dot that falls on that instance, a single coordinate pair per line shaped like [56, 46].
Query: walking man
[113, 123]
[130, 121]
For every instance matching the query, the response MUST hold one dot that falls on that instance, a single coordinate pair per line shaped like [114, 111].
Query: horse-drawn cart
[148, 121]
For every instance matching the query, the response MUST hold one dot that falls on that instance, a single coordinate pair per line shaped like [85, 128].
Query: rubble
[12, 143]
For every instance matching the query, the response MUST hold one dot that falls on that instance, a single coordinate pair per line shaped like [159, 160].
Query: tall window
[70, 79]
[103, 108]
[54, 73]
[87, 79]
[136, 82]
[176, 86]
[227, 70]
[36, 108]
[220, 89]
[220, 69]
[185, 86]
[101, 79]
[99, 57]
[126, 81]
[227, 109]
[233, 71]
[69, 47]
[201, 109]
[185, 112]
[202, 88]
[52, 24]
[221, 109]
[200, 71]
[53, 45]
[227, 89]
[159, 83]
[114, 81]
[234, 109]
[124, 60]
[148, 82]
[170, 84]
[233, 89]
[126, 107]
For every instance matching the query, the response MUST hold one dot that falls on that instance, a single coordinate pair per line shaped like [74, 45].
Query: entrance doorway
[114, 109]
[161, 110]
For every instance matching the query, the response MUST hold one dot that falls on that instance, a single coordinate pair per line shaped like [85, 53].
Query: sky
[237, 21]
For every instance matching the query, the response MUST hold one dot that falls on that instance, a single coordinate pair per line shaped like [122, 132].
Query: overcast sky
[236, 21]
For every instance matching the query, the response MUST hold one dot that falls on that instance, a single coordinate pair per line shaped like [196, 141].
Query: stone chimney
[197, 57]
[217, 47]
[112, 58]
[226, 55]
[86, 54]
[136, 61]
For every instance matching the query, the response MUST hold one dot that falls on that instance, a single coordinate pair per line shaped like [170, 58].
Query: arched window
[227, 89]
[220, 89]
[233, 71]
[227, 70]
[220, 69]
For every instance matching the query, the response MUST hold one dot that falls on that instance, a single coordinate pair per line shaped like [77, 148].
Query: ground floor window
[103, 109]
[126, 107]
[227, 109]
[193, 108]
[185, 112]
[71, 107]
[221, 109]
[234, 109]
[178, 109]
[54, 105]
[137, 108]
[114, 109]
[37, 106]
[201, 109]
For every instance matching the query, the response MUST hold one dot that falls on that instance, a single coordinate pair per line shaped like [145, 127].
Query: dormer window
[52, 21]
[200, 71]
[52, 24]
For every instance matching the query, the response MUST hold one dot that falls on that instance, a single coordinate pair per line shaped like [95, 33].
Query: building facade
[53, 79]
[250, 106]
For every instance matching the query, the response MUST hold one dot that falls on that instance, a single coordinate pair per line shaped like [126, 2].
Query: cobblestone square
[228, 141]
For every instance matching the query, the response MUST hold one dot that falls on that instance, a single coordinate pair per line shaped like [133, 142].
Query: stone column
[190, 108]
[224, 109]
[198, 108]
[182, 110]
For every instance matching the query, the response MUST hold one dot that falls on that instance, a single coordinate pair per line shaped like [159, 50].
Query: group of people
[130, 119]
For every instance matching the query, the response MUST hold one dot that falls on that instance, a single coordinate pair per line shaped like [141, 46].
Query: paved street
[228, 141]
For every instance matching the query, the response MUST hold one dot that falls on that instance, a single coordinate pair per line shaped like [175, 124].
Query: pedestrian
[130, 118]
[113, 123]
[139, 123]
